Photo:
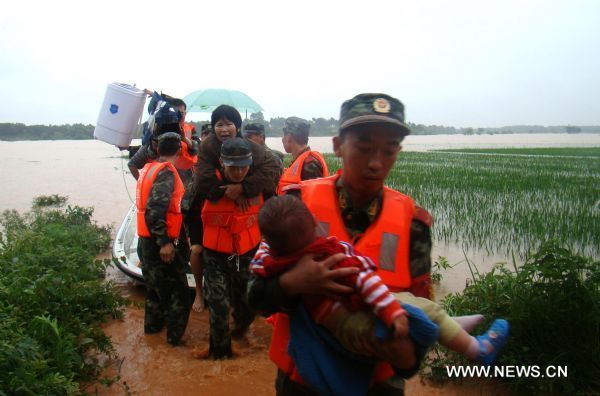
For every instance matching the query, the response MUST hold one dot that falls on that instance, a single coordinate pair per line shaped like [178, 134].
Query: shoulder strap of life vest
[292, 176]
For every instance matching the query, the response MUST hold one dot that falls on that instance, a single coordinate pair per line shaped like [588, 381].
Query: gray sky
[455, 63]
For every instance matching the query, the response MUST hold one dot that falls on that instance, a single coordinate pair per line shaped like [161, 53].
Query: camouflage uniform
[167, 293]
[257, 128]
[225, 285]
[143, 156]
[311, 168]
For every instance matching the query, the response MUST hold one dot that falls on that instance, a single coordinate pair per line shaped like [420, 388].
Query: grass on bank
[553, 305]
[53, 298]
[550, 151]
[502, 203]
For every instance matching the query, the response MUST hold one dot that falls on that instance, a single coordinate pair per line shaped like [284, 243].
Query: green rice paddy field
[506, 201]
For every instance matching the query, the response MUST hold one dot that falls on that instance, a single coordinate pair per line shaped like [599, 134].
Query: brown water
[91, 174]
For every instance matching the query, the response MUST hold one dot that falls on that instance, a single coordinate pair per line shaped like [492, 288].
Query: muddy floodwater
[92, 173]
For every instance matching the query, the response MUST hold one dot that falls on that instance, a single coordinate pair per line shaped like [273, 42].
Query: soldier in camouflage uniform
[295, 141]
[255, 132]
[163, 259]
[226, 274]
[371, 129]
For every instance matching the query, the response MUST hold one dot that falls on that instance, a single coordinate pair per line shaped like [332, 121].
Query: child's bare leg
[196, 264]
[463, 343]
[468, 322]
[483, 348]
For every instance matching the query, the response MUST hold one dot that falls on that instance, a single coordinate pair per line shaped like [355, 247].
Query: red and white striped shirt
[370, 289]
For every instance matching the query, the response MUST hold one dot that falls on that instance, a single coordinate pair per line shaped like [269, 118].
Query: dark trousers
[167, 292]
[225, 286]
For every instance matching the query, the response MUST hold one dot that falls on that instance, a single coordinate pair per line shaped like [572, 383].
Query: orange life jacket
[386, 241]
[292, 175]
[144, 185]
[229, 230]
[185, 160]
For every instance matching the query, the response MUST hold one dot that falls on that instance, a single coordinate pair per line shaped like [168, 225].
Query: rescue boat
[124, 250]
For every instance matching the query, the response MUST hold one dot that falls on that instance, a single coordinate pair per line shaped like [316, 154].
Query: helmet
[167, 114]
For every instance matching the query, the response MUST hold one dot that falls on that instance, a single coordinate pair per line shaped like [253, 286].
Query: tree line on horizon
[273, 128]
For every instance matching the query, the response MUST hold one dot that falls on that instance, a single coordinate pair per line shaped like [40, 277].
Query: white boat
[124, 251]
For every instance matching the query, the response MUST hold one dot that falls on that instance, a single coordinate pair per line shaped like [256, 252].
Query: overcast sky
[456, 63]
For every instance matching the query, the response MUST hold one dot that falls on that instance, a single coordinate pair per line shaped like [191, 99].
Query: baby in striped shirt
[288, 229]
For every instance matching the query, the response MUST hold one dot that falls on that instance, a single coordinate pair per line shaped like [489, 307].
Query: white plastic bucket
[120, 113]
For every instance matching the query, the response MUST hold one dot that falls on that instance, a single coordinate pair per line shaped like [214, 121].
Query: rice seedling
[552, 151]
[504, 203]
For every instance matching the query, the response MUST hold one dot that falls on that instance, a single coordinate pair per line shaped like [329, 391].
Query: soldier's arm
[282, 292]
[193, 223]
[206, 166]
[137, 162]
[158, 205]
[420, 254]
[265, 169]
[194, 145]
[312, 169]
[266, 296]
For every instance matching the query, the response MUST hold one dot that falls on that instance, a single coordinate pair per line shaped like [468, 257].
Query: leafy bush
[553, 305]
[52, 298]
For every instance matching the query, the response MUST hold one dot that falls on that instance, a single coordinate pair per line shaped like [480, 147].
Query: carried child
[288, 229]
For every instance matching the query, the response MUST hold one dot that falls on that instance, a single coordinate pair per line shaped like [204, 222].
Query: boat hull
[124, 250]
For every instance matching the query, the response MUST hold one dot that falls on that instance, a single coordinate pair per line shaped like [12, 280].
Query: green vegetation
[52, 299]
[503, 204]
[273, 128]
[553, 305]
[551, 151]
[15, 132]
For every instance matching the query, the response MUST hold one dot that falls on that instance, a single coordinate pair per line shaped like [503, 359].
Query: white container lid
[128, 89]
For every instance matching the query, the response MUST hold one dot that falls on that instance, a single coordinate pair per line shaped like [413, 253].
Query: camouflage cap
[206, 128]
[167, 114]
[296, 126]
[372, 108]
[254, 128]
[236, 152]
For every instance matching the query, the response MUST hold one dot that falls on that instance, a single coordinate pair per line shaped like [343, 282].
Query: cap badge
[381, 105]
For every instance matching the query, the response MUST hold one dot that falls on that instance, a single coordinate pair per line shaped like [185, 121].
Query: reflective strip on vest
[322, 229]
[387, 252]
